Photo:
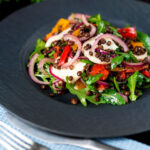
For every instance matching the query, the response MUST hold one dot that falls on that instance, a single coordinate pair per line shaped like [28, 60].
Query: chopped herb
[86, 61]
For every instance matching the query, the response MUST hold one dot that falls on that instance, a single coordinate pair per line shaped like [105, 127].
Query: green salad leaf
[116, 61]
[81, 94]
[40, 44]
[92, 79]
[132, 80]
[116, 84]
[110, 96]
[101, 28]
[86, 61]
[51, 54]
[122, 56]
[145, 39]
[115, 32]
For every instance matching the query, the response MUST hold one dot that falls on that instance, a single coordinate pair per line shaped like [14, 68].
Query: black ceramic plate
[18, 34]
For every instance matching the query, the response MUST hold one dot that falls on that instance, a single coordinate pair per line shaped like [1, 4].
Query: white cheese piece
[63, 73]
[113, 46]
[141, 57]
[56, 37]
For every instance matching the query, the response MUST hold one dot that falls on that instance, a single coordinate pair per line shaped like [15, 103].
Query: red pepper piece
[128, 32]
[64, 55]
[99, 69]
[146, 73]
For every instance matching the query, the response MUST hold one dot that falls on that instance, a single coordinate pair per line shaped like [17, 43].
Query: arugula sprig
[122, 56]
[132, 81]
[101, 28]
[91, 80]
[40, 44]
[110, 96]
[115, 32]
[116, 84]
[145, 39]
[86, 61]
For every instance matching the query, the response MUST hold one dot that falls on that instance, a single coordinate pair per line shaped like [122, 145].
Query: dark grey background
[26, 27]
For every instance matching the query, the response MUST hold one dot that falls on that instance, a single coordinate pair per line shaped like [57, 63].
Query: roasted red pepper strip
[99, 69]
[146, 73]
[64, 55]
[128, 32]
[123, 76]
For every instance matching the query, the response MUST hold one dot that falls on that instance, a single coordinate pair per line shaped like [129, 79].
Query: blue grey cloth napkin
[122, 143]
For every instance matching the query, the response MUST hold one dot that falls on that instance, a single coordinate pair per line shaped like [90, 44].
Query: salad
[92, 59]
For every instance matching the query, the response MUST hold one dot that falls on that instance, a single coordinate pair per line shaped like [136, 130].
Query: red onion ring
[124, 97]
[49, 50]
[113, 37]
[78, 25]
[140, 64]
[54, 84]
[50, 71]
[42, 62]
[101, 51]
[93, 28]
[73, 17]
[77, 41]
[31, 70]
[103, 83]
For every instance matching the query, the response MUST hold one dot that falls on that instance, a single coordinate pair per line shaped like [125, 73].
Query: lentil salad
[92, 59]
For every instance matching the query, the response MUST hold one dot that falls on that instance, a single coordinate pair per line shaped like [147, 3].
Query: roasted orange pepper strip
[64, 23]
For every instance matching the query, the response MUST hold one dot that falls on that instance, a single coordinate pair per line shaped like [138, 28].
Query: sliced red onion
[73, 17]
[31, 70]
[78, 25]
[103, 83]
[54, 84]
[50, 71]
[101, 51]
[124, 97]
[113, 37]
[148, 59]
[93, 28]
[70, 55]
[42, 62]
[49, 50]
[78, 52]
[140, 64]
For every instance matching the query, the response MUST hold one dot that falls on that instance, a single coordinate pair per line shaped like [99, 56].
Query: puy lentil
[102, 41]
[70, 78]
[71, 67]
[79, 73]
[100, 47]
[88, 93]
[74, 101]
[127, 93]
[70, 42]
[90, 53]
[42, 87]
[96, 99]
[97, 55]
[109, 43]
[87, 46]
[51, 94]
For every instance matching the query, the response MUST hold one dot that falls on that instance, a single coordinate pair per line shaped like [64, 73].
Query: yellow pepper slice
[63, 23]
